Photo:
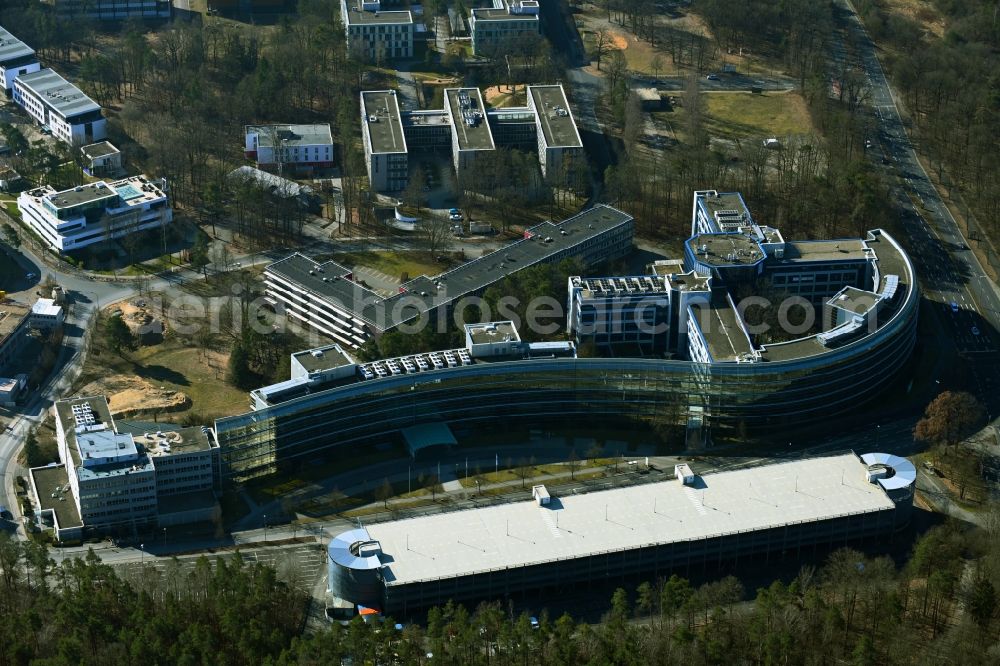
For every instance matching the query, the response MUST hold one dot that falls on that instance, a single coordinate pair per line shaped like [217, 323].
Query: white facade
[46, 314]
[102, 159]
[16, 59]
[374, 34]
[291, 145]
[73, 219]
[51, 100]
[505, 21]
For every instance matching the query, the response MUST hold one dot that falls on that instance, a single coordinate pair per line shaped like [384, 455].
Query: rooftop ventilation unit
[373, 118]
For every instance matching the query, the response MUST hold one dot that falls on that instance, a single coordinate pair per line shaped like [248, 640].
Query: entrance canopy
[426, 435]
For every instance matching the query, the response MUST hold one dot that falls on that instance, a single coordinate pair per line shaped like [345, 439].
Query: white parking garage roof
[522, 534]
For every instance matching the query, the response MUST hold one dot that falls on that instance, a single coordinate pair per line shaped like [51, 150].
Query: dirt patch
[134, 396]
[493, 93]
[145, 322]
[618, 40]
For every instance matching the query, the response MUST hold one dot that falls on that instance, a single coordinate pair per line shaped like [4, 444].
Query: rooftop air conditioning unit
[373, 118]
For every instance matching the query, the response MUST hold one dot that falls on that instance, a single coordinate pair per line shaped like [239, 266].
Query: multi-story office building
[494, 28]
[112, 480]
[715, 370]
[56, 103]
[469, 129]
[559, 141]
[384, 140]
[16, 59]
[374, 34]
[15, 320]
[621, 311]
[73, 219]
[470, 132]
[325, 297]
[113, 10]
[297, 147]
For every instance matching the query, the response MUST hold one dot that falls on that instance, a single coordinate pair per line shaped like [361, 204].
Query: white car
[456, 217]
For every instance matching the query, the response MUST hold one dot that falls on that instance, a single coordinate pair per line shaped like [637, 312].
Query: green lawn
[392, 263]
[742, 115]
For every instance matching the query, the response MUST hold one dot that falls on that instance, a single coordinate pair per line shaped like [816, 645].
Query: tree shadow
[163, 374]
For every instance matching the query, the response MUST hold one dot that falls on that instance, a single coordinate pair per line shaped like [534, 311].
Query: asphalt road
[966, 300]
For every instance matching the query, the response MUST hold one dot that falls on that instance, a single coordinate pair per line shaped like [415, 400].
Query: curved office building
[331, 400]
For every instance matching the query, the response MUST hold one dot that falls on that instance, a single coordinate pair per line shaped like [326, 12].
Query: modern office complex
[113, 10]
[601, 538]
[325, 297]
[852, 283]
[113, 480]
[15, 321]
[16, 59]
[56, 103]
[469, 129]
[296, 147]
[375, 34]
[88, 214]
[495, 27]
[719, 378]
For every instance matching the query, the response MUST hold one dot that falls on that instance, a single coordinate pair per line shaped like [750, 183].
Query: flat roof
[57, 92]
[12, 48]
[637, 285]
[50, 481]
[11, 316]
[726, 249]
[357, 16]
[854, 300]
[425, 293]
[490, 332]
[689, 281]
[468, 102]
[494, 14]
[720, 324]
[721, 202]
[520, 534]
[555, 116]
[827, 250]
[322, 358]
[292, 135]
[385, 132]
[99, 149]
[46, 307]
[76, 196]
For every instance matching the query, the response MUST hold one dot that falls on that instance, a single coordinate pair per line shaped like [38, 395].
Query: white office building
[113, 10]
[54, 102]
[114, 480]
[374, 34]
[558, 139]
[494, 27]
[16, 59]
[386, 155]
[88, 214]
[299, 147]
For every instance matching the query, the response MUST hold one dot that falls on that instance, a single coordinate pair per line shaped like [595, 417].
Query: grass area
[391, 262]
[174, 366]
[742, 115]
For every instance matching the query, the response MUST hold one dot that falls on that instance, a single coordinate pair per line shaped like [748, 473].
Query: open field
[391, 263]
[741, 115]
[174, 367]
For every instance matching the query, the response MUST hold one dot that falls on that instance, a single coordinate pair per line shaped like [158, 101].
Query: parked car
[456, 217]
[712, 77]
[975, 331]
[954, 306]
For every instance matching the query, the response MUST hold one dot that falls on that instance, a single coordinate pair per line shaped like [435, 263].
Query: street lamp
[265, 528]
[878, 429]
[142, 555]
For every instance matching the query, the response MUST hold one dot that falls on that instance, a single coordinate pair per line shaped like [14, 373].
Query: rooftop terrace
[469, 119]
[725, 249]
[382, 120]
[555, 116]
[523, 533]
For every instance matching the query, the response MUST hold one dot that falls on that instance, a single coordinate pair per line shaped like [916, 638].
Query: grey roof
[77, 195]
[497, 331]
[292, 135]
[99, 149]
[385, 132]
[470, 137]
[732, 249]
[12, 48]
[724, 201]
[66, 99]
[357, 16]
[50, 481]
[330, 356]
[520, 534]
[722, 327]
[847, 249]
[558, 127]
[495, 14]
[426, 293]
